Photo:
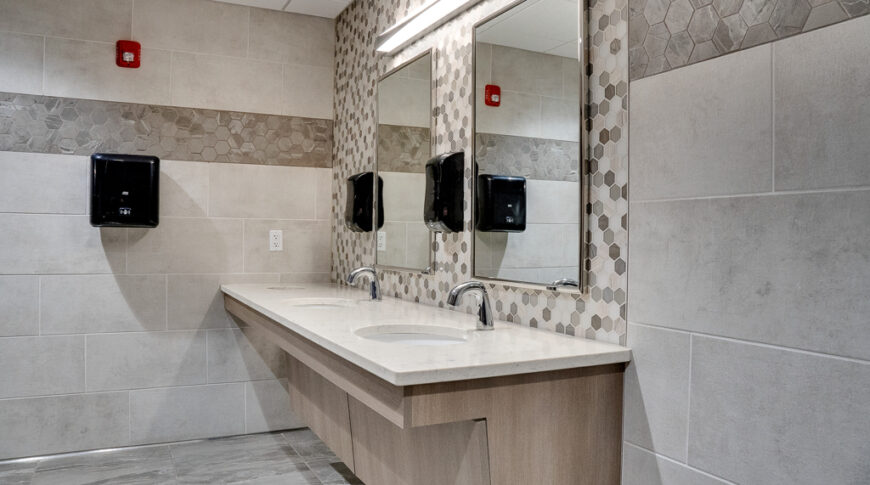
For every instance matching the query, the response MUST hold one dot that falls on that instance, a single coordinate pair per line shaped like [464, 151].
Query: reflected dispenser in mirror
[360, 194]
[125, 190]
[442, 207]
[501, 203]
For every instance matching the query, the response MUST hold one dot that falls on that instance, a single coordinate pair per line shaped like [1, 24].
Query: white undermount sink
[414, 334]
[321, 303]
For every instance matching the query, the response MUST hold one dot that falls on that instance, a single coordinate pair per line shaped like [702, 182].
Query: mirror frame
[583, 168]
[432, 125]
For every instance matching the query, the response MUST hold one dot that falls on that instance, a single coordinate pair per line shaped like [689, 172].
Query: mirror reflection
[528, 144]
[404, 147]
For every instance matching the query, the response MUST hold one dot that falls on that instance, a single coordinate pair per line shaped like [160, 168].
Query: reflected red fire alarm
[492, 95]
[128, 53]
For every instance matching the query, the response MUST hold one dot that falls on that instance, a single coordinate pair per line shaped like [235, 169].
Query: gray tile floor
[289, 458]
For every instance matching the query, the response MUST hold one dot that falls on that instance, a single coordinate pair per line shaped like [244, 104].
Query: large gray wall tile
[102, 303]
[767, 415]
[58, 244]
[306, 247]
[195, 301]
[231, 83]
[64, 423]
[243, 355]
[79, 69]
[657, 390]
[717, 135]
[308, 91]
[324, 193]
[187, 246]
[102, 20]
[19, 306]
[183, 188]
[183, 413]
[292, 39]
[42, 183]
[21, 62]
[785, 269]
[641, 467]
[192, 26]
[237, 190]
[267, 407]
[150, 359]
[823, 107]
[34, 366]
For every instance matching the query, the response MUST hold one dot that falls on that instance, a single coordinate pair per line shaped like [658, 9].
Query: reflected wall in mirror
[531, 133]
[404, 146]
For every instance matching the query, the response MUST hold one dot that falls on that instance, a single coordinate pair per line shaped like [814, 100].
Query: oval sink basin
[414, 334]
[321, 303]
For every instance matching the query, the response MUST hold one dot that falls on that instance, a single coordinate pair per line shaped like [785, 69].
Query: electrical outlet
[382, 241]
[276, 240]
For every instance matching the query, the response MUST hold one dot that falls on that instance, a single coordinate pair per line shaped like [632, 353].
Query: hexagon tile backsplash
[666, 34]
[598, 315]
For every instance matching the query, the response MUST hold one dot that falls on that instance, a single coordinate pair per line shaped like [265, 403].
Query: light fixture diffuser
[425, 19]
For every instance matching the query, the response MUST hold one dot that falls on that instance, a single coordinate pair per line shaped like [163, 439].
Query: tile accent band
[47, 124]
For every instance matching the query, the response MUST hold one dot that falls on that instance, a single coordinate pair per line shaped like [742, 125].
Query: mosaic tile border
[598, 315]
[403, 148]
[46, 124]
[543, 159]
[667, 34]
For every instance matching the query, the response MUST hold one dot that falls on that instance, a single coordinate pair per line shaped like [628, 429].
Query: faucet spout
[484, 314]
[564, 282]
[374, 286]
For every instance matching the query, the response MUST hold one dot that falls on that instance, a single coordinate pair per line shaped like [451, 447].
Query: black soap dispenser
[501, 203]
[125, 190]
[442, 206]
[360, 195]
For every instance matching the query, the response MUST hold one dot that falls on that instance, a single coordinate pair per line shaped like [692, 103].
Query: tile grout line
[772, 118]
[689, 399]
[669, 459]
[815, 353]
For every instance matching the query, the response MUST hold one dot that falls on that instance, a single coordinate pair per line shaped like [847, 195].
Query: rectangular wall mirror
[528, 145]
[404, 146]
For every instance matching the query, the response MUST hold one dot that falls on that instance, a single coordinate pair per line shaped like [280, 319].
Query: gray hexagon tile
[45, 124]
[666, 34]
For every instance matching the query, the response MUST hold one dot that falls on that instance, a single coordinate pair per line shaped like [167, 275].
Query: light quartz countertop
[509, 349]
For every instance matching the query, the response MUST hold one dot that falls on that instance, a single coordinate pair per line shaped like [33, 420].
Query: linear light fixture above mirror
[425, 19]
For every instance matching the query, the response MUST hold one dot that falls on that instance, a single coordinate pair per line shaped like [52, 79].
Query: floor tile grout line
[669, 459]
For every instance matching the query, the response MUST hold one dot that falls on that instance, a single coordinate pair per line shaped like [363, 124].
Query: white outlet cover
[276, 240]
[382, 241]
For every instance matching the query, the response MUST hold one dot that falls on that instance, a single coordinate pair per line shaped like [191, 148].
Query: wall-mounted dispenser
[125, 190]
[501, 203]
[442, 206]
[358, 208]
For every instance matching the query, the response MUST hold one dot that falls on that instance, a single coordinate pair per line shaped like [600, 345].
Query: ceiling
[320, 8]
[548, 26]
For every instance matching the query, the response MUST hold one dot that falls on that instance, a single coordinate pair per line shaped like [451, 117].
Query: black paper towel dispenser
[125, 190]
[501, 203]
[358, 208]
[442, 206]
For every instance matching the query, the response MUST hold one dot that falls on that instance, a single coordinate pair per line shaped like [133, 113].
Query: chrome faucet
[566, 282]
[484, 320]
[374, 288]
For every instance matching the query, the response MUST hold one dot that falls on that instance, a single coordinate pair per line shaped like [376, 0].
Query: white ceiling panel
[549, 26]
[320, 8]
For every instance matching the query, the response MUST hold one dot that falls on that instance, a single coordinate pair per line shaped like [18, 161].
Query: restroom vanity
[410, 394]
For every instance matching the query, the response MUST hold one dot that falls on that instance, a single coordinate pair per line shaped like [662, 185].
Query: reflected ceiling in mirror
[528, 143]
[404, 146]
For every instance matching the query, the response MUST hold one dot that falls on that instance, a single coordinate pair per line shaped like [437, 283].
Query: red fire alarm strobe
[492, 95]
[128, 53]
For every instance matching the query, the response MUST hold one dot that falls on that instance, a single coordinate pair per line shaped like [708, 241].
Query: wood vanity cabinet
[549, 428]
